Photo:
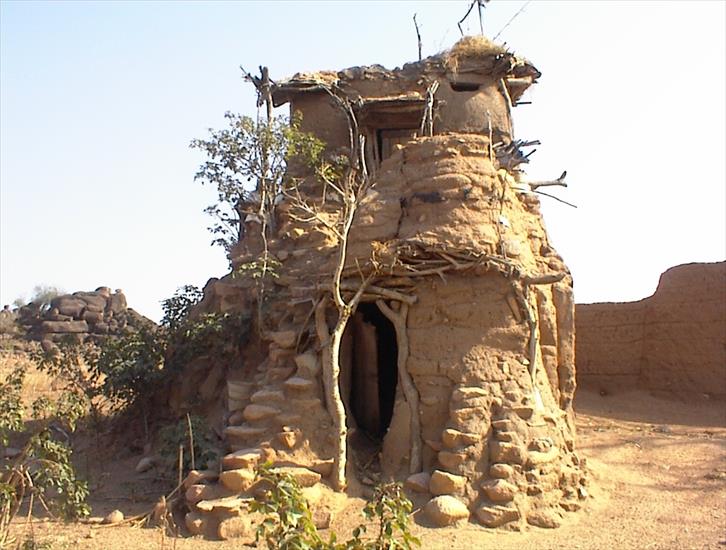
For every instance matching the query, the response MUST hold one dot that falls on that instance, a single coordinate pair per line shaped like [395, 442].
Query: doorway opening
[374, 370]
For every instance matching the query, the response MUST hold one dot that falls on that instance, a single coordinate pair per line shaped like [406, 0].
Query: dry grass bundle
[470, 48]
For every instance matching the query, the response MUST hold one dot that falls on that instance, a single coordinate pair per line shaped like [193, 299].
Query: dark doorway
[374, 373]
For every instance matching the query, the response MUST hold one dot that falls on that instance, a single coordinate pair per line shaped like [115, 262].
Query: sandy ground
[658, 469]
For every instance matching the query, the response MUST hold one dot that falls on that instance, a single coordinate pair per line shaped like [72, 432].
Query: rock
[511, 453]
[454, 438]
[226, 504]
[283, 338]
[323, 467]
[322, 518]
[304, 476]
[495, 516]
[501, 471]
[548, 519]
[195, 477]
[445, 510]
[465, 414]
[298, 383]
[450, 460]
[236, 418]
[463, 393]
[198, 492]
[444, 483]
[267, 396]
[238, 480]
[308, 365]
[244, 458]
[64, 327]
[419, 483]
[194, 522]
[237, 527]
[243, 432]
[114, 517]
[524, 411]
[312, 495]
[498, 490]
[259, 412]
[289, 437]
[145, 464]
[536, 458]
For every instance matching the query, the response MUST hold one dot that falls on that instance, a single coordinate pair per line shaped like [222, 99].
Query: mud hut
[456, 367]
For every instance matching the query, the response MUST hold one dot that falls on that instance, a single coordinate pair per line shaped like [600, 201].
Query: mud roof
[470, 55]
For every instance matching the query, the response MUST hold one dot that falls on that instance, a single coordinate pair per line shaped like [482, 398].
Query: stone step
[304, 476]
[267, 395]
[256, 411]
[226, 504]
[244, 431]
[243, 458]
[299, 384]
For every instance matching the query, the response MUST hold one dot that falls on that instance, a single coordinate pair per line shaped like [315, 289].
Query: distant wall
[674, 340]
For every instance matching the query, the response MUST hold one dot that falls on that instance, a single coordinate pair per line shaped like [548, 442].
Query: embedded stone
[304, 476]
[451, 460]
[323, 467]
[464, 393]
[298, 383]
[195, 523]
[238, 480]
[511, 453]
[236, 418]
[507, 436]
[444, 483]
[283, 338]
[226, 504]
[435, 445]
[498, 490]
[454, 438]
[419, 483]
[236, 527]
[244, 458]
[496, 516]
[501, 471]
[536, 458]
[307, 365]
[259, 412]
[266, 396]
[289, 437]
[243, 432]
[524, 411]
[197, 477]
[465, 414]
[446, 510]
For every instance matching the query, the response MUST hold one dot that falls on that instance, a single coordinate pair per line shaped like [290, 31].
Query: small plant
[289, 524]
[178, 434]
[42, 469]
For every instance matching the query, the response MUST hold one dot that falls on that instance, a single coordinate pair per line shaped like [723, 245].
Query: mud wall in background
[674, 340]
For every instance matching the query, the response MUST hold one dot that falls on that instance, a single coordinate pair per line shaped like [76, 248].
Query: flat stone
[238, 480]
[496, 516]
[243, 432]
[298, 383]
[535, 458]
[323, 467]
[259, 412]
[226, 504]
[445, 510]
[524, 411]
[418, 483]
[196, 477]
[117, 516]
[244, 458]
[444, 483]
[510, 437]
[501, 471]
[499, 490]
[465, 414]
[450, 460]
[267, 396]
[464, 393]
[303, 476]
[201, 491]
[195, 523]
[283, 338]
[454, 438]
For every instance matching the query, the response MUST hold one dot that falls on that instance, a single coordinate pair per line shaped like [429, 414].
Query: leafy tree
[246, 162]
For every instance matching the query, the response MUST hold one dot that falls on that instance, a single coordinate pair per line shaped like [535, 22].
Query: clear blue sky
[99, 101]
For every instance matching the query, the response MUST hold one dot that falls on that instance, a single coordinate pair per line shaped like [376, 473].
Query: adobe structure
[673, 341]
[457, 367]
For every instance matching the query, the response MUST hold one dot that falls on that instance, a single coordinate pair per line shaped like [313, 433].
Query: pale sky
[99, 101]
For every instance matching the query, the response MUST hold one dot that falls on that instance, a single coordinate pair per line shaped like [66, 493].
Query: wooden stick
[418, 36]
[191, 441]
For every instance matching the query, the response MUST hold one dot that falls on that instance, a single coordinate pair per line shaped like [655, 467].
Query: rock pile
[82, 315]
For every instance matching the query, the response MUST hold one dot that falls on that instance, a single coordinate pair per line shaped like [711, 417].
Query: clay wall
[674, 340]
